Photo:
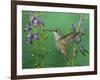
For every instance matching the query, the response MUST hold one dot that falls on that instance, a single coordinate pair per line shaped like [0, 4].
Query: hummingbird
[61, 41]
[75, 35]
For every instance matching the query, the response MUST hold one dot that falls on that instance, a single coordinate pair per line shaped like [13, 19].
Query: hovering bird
[31, 37]
[61, 41]
[75, 36]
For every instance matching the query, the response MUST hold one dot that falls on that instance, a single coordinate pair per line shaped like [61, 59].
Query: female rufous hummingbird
[74, 35]
[61, 41]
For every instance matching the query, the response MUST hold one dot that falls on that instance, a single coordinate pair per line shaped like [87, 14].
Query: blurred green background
[53, 58]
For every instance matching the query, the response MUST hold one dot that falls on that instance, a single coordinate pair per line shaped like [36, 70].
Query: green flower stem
[38, 46]
[75, 49]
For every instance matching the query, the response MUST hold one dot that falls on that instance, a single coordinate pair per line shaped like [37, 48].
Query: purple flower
[32, 37]
[36, 36]
[34, 18]
[28, 27]
[36, 22]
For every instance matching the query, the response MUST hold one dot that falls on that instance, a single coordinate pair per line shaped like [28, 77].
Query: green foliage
[39, 50]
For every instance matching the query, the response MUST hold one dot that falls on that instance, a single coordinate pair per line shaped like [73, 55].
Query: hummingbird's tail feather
[65, 55]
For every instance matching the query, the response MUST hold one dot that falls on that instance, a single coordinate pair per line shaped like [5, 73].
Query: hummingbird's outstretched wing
[70, 36]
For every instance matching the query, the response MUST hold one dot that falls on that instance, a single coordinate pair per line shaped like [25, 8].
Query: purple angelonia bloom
[36, 22]
[36, 36]
[32, 37]
[34, 18]
[28, 28]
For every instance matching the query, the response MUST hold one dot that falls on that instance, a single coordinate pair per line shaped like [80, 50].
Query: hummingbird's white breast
[60, 43]
[56, 35]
